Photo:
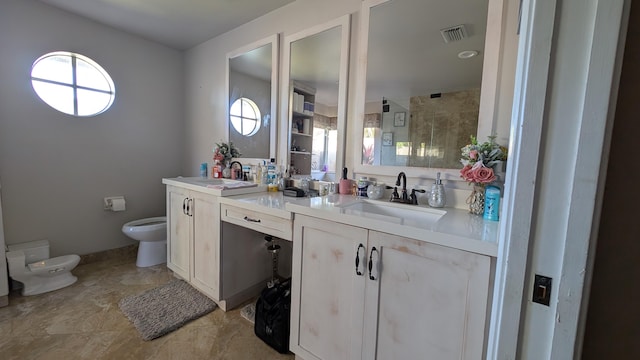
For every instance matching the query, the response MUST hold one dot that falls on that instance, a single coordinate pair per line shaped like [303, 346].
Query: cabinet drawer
[259, 221]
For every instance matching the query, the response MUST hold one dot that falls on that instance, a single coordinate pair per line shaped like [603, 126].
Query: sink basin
[403, 214]
[207, 181]
[220, 183]
[219, 187]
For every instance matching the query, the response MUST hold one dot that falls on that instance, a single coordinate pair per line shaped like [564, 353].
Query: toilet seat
[152, 234]
[55, 264]
[147, 224]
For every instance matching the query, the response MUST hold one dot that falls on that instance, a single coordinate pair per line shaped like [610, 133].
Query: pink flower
[473, 154]
[483, 175]
[464, 173]
[217, 156]
[478, 173]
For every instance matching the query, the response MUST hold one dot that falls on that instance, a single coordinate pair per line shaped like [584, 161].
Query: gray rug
[161, 310]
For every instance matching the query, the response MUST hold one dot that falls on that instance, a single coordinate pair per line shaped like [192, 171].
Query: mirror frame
[274, 40]
[344, 23]
[489, 91]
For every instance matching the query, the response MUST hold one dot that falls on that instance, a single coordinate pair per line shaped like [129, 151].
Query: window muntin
[245, 116]
[72, 84]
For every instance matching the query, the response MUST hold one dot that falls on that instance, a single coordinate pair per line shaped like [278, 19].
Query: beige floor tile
[83, 321]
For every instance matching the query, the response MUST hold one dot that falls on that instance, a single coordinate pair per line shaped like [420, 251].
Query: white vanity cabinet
[406, 298]
[193, 226]
[424, 300]
[326, 294]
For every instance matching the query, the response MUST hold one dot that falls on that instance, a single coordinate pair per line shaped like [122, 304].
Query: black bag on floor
[273, 311]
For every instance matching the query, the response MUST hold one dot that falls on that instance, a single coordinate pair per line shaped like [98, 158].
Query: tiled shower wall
[440, 126]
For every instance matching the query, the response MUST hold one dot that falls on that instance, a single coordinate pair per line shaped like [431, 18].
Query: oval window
[245, 116]
[72, 83]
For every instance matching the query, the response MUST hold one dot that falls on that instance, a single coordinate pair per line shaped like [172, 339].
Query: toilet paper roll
[118, 205]
[306, 126]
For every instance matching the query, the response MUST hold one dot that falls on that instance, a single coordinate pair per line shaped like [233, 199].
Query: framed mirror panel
[252, 79]
[315, 66]
[424, 86]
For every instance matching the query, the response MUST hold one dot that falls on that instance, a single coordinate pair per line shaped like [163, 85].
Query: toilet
[29, 263]
[152, 234]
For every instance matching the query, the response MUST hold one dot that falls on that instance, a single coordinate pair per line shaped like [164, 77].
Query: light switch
[542, 290]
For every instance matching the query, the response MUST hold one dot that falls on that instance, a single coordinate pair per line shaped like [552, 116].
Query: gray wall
[55, 168]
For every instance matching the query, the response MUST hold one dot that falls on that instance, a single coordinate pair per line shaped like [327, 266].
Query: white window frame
[74, 85]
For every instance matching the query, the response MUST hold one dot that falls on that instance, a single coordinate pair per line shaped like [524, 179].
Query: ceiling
[407, 55]
[180, 24]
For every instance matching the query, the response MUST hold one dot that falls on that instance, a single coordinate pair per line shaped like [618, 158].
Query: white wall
[205, 69]
[55, 168]
[581, 73]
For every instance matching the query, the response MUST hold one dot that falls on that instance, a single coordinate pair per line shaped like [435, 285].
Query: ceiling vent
[454, 33]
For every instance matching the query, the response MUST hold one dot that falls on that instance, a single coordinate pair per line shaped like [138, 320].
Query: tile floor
[83, 322]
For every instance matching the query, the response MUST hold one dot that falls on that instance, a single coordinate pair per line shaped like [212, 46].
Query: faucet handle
[414, 197]
[394, 194]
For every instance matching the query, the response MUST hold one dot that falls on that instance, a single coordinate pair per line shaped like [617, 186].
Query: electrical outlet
[542, 290]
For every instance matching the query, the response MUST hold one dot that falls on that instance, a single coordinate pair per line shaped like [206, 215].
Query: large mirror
[315, 65]
[252, 86]
[423, 71]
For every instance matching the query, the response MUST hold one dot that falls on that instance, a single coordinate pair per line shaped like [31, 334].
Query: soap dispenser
[437, 195]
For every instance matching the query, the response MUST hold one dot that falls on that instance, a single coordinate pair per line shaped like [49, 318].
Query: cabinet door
[326, 302]
[205, 274]
[425, 301]
[179, 231]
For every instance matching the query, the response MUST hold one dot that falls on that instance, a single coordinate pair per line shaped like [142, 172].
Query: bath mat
[161, 310]
[249, 312]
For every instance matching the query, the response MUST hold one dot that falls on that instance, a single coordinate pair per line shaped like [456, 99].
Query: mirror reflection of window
[250, 86]
[245, 116]
[325, 144]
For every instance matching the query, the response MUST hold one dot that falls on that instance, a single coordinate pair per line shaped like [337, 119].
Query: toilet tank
[34, 251]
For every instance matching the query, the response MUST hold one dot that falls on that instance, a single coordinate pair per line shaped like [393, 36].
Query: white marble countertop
[456, 229]
[272, 203]
[217, 187]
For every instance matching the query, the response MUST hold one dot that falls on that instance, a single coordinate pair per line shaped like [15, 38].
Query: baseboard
[127, 252]
[4, 300]
[241, 297]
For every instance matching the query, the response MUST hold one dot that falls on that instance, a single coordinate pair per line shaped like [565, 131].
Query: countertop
[217, 187]
[456, 229]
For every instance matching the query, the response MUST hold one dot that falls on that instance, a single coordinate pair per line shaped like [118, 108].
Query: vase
[226, 171]
[476, 200]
